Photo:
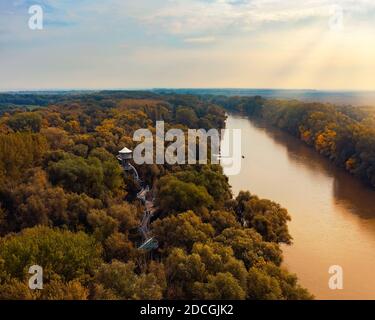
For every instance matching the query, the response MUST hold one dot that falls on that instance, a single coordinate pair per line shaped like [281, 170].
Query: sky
[129, 44]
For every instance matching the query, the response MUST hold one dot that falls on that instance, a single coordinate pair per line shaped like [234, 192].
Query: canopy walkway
[145, 196]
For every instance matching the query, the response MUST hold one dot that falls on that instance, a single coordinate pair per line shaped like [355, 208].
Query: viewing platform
[149, 243]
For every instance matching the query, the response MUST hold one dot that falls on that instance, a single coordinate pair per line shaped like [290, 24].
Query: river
[333, 214]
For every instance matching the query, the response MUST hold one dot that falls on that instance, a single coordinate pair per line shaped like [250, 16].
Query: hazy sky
[317, 44]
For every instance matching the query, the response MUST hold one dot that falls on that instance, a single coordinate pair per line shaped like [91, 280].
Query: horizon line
[178, 88]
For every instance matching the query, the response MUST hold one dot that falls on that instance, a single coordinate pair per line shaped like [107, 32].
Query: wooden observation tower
[125, 155]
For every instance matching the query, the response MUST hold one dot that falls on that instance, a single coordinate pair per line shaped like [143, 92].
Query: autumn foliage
[67, 205]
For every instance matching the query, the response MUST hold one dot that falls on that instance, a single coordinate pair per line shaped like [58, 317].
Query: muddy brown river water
[333, 214]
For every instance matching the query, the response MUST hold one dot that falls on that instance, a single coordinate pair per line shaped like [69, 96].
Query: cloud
[200, 40]
[181, 17]
[127, 43]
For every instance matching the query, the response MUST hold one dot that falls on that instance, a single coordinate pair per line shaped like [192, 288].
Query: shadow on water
[347, 190]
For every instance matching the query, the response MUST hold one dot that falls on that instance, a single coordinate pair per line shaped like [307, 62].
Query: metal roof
[149, 244]
[125, 150]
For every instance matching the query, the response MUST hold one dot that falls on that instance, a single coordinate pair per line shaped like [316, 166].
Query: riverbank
[333, 216]
[343, 134]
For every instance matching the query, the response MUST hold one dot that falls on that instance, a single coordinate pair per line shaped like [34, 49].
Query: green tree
[212, 178]
[222, 286]
[127, 216]
[266, 217]
[16, 290]
[25, 121]
[182, 271]
[187, 116]
[90, 176]
[62, 253]
[182, 230]
[179, 196]
[58, 290]
[118, 246]
[102, 224]
[57, 138]
[249, 246]
[269, 282]
[19, 152]
[221, 220]
[118, 280]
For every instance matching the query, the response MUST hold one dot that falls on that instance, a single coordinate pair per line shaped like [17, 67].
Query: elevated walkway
[149, 243]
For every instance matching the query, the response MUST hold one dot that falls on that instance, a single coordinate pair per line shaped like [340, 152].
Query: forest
[344, 134]
[67, 205]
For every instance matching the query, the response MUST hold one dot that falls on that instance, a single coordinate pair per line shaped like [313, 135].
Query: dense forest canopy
[67, 205]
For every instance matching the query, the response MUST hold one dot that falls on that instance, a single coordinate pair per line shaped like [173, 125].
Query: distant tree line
[344, 134]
